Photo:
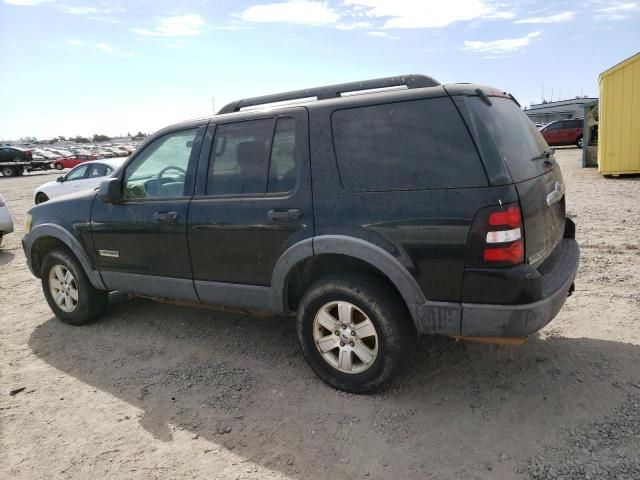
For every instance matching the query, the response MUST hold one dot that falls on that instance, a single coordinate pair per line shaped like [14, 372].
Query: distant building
[551, 111]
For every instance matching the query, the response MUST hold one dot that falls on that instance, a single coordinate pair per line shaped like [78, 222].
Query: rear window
[503, 127]
[414, 145]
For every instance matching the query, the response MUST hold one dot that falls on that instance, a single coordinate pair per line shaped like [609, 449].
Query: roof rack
[333, 91]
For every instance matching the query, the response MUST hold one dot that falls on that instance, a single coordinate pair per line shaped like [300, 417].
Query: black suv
[376, 210]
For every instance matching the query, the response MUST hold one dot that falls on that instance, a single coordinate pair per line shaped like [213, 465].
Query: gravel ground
[164, 391]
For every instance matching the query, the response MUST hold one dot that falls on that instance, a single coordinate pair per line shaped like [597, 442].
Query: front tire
[355, 332]
[58, 166]
[41, 198]
[579, 143]
[68, 291]
[9, 171]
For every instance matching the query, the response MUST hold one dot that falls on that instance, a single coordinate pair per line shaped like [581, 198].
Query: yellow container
[619, 123]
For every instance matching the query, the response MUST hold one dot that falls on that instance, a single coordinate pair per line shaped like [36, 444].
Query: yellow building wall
[619, 122]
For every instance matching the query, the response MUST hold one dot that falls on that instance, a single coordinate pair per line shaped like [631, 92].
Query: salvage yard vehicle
[434, 209]
[86, 176]
[6, 223]
[15, 161]
[73, 160]
[564, 132]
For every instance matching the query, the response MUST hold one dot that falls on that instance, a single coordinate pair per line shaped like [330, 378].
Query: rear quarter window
[413, 145]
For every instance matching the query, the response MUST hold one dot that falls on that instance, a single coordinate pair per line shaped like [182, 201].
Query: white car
[85, 176]
[6, 224]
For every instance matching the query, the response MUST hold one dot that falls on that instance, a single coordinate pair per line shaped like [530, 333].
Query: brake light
[496, 237]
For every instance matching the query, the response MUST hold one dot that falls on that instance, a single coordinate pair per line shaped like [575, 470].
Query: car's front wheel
[58, 166]
[579, 143]
[68, 291]
[355, 332]
[41, 198]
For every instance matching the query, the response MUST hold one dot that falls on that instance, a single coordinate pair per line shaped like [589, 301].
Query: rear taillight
[496, 237]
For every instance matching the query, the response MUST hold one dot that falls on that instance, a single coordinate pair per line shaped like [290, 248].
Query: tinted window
[421, 144]
[98, 170]
[504, 128]
[282, 167]
[160, 170]
[78, 173]
[239, 158]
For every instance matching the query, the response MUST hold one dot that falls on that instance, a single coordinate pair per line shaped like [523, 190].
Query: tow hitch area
[494, 340]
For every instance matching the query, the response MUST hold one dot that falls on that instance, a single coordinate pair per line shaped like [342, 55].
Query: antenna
[213, 104]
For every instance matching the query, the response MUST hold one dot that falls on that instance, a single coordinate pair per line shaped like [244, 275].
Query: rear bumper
[500, 320]
[520, 320]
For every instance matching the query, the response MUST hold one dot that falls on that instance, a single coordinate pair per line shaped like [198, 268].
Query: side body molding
[58, 232]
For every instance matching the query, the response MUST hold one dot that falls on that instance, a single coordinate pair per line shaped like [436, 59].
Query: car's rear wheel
[355, 332]
[41, 198]
[68, 291]
[58, 166]
[9, 171]
[579, 143]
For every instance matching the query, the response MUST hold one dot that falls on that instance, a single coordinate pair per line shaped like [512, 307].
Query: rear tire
[9, 171]
[374, 317]
[579, 143]
[41, 198]
[68, 291]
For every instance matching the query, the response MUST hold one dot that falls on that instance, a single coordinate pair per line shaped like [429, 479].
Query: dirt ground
[161, 391]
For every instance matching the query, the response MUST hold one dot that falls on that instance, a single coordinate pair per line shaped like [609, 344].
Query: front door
[253, 201]
[141, 242]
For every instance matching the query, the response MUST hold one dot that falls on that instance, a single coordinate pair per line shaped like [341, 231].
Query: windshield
[507, 128]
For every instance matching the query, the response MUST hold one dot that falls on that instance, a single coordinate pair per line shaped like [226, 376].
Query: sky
[112, 67]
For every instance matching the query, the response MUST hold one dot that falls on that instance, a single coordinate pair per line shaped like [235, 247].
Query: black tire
[579, 142]
[91, 302]
[20, 172]
[396, 334]
[41, 198]
[9, 171]
[58, 166]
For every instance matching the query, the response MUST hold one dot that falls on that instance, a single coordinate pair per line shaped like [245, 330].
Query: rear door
[534, 171]
[253, 199]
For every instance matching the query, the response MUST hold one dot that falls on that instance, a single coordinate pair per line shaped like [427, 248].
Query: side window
[283, 170]
[98, 170]
[160, 170]
[77, 173]
[108, 170]
[413, 145]
[239, 158]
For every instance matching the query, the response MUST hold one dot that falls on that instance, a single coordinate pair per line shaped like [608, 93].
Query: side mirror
[60, 179]
[110, 190]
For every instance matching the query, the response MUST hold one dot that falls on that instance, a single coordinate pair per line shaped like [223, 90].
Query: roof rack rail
[333, 91]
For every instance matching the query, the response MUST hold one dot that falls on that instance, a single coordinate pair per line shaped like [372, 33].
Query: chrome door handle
[166, 217]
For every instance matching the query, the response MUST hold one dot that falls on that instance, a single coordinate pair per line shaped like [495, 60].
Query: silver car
[6, 224]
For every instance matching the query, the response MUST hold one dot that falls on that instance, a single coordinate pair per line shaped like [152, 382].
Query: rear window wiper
[543, 155]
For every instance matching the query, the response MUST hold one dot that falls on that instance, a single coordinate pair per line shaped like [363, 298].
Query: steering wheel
[165, 169]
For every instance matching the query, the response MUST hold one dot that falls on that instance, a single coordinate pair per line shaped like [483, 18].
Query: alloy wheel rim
[63, 288]
[345, 337]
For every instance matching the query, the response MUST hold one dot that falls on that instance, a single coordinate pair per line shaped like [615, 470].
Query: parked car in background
[16, 160]
[6, 223]
[564, 132]
[86, 176]
[73, 160]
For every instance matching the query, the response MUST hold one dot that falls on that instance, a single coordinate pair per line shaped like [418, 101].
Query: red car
[564, 132]
[73, 160]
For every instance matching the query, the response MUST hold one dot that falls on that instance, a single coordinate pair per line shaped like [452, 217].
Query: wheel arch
[45, 237]
[353, 254]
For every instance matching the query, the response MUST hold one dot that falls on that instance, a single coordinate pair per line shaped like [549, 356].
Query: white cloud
[558, 17]
[83, 10]
[302, 12]
[26, 3]
[617, 11]
[500, 46]
[176, 26]
[427, 14]
[354, 26]
[382, 35]
[103, 47]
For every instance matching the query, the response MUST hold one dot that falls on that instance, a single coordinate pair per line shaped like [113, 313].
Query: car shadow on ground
[242, 383]
[5, 257]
